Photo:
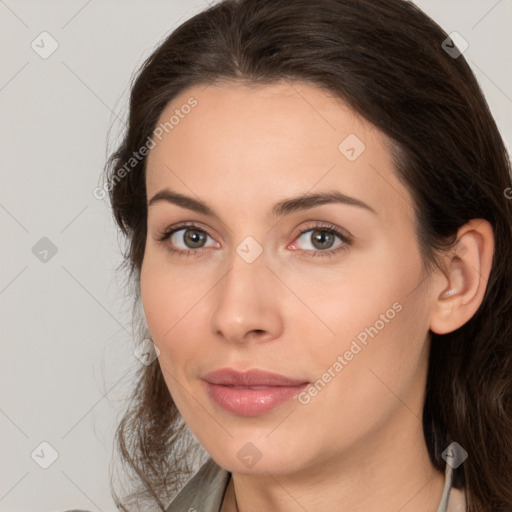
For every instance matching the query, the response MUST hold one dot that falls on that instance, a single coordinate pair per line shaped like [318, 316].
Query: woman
[314, 195]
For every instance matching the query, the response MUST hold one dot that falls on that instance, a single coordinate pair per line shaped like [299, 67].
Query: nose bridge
[246, 299]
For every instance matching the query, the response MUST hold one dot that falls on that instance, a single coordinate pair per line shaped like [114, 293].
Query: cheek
[358, 385]
[374, 320]
[155, 301]
[167, 295]
[163, 310]
[174, 303]
[344, 303]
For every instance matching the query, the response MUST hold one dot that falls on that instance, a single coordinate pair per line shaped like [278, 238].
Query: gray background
[67, 354]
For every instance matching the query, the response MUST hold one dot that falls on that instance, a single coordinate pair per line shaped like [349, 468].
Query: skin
[358, 445]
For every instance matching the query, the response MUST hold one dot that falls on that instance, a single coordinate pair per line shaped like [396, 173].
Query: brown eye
[322, 241]
[186, 239]
[193, 238]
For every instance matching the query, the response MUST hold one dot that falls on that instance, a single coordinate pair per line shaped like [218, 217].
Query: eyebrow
[285, 207]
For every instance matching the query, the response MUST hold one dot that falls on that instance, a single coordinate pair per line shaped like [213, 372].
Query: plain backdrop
[67, 352]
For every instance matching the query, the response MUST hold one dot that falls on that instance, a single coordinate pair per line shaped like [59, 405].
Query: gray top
[205, 491]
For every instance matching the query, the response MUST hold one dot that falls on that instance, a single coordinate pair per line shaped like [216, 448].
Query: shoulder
[204, 491]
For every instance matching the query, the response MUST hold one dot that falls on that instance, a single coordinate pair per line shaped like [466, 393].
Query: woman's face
[266, 283]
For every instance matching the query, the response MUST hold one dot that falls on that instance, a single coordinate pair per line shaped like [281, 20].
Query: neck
[384, 475]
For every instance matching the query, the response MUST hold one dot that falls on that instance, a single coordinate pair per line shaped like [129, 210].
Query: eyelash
[327, 228]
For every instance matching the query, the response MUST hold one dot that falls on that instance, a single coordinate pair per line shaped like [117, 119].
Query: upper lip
[254, 377]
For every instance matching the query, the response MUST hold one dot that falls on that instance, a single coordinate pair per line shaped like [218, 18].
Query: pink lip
[233, 390]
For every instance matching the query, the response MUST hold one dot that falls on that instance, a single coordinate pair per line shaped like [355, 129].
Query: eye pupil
[322, 236]
[196, 237]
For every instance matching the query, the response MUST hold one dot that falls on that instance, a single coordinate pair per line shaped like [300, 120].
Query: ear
[459, 290]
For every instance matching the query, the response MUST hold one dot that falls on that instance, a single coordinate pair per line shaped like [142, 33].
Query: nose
[248, 302]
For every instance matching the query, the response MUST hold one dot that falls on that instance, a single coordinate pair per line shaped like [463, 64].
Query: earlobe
[467, 270]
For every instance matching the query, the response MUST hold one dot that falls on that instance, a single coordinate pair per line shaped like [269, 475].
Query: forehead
[261, 143]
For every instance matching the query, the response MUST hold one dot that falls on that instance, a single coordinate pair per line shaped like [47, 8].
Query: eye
[190, 235]
[321, 239]
[192, 238]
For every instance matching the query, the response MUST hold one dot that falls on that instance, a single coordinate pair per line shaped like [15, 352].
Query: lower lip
[251, 402]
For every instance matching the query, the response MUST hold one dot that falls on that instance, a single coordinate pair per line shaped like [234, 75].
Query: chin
[257, 457]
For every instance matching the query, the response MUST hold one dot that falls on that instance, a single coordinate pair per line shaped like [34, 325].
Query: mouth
[251, 393]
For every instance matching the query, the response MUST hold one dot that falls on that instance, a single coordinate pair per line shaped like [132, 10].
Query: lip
[251, 393]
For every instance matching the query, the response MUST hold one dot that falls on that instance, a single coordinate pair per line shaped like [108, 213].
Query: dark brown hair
[385, 59]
